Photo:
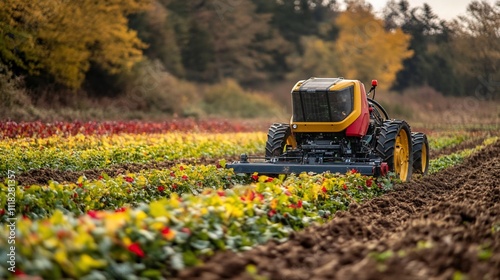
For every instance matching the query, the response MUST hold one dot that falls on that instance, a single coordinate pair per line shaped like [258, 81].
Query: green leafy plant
[153, 239]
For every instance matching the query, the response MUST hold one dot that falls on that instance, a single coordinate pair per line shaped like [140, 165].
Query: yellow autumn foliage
[366, 50]
[63, 38]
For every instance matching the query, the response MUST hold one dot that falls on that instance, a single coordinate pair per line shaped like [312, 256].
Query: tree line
[97, 46]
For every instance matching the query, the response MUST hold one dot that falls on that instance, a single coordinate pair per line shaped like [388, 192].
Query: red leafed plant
[10, 129]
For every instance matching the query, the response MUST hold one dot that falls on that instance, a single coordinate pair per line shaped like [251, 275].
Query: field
[132, 200]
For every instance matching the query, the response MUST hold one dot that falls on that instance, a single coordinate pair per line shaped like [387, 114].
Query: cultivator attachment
[283, 166]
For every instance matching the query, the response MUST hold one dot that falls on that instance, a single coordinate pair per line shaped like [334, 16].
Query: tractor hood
[328, 105]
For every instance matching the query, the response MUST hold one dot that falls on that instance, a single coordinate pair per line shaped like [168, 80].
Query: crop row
[154, 239]
[446, 161]
[129, 190]
[41, 130]
[83, 152]
[86, 152]
[447, 140]
[107, 193]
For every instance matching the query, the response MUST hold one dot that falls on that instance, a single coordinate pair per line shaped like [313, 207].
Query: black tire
[387, 146]
[276, 139]
[420, 153]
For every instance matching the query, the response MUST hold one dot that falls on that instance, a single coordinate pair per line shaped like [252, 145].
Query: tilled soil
[443, 226]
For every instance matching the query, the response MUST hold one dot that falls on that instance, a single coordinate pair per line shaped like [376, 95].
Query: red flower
[19, 272]
[2, 212]
[121, 209]
[287, 193]
[251, 195]
[136, 249]
[174, 186]
[354, 171]
[260, 196]
[62, 234]
[168, 233]
[100, 178]
[218, 166]
[369, 182]
[221, 193]
[80, 185]
[270, 179]
[161, 188]
[271, 213]
[345, 187]
[75, 195]
[129, 179]
[26, 187]
[186, 230]
[184, 177]
[172, 174]
[181, 168]
[93, 214]
[323, 189]
[296, 206]
[255, 177]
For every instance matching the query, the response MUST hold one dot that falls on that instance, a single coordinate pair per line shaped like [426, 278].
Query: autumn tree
[364, 50]
[242, 41]
[61, 39]
[431, 63]
[319, 60]
[477, 44]
[156, 28]
[302, 18]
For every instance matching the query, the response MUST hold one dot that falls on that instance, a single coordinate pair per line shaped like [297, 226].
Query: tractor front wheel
[277, 139]
[394, 144]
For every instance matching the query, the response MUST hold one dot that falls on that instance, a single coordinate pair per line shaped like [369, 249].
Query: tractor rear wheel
[394, 144]
[276, 139]
[420, 153]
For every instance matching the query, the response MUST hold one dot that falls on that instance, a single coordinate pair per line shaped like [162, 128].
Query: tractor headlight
[294, 126]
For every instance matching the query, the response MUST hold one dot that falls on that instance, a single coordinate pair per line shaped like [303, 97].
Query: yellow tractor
[336, 126]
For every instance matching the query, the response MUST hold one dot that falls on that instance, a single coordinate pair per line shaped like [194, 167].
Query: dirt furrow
[439, 227]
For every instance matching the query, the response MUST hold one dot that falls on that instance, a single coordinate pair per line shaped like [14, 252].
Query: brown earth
[443, 226]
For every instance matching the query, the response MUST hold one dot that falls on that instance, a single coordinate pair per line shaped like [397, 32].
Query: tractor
[336, 126]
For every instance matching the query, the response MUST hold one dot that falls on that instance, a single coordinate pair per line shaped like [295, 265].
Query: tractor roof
[319, 84]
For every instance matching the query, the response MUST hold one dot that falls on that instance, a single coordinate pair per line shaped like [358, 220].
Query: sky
[445, 9]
